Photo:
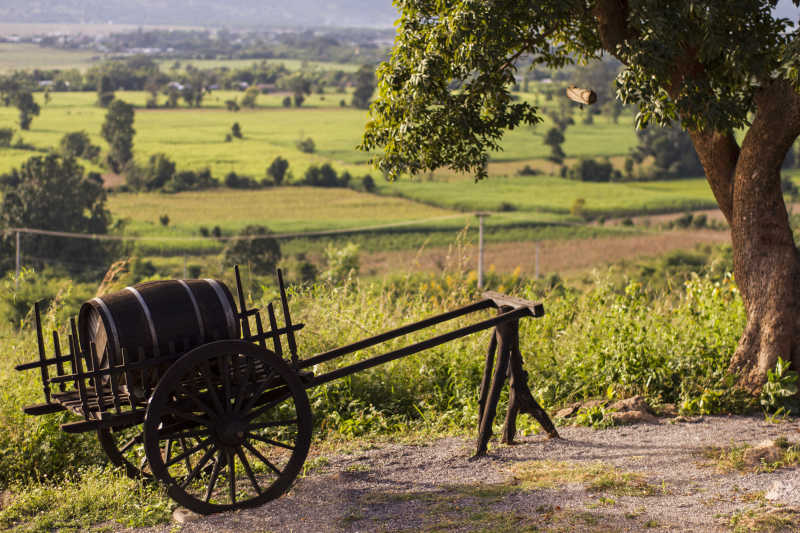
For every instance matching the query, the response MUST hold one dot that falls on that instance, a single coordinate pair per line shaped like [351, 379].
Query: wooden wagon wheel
[228, 426]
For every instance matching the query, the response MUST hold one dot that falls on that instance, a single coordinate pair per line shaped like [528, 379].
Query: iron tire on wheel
[250, 426]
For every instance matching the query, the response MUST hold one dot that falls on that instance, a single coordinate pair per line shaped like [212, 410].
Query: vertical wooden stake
[485, 430]
[487, 376]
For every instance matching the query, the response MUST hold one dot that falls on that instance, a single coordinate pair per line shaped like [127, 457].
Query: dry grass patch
[596, 477]
[765, 457]
[766, 520]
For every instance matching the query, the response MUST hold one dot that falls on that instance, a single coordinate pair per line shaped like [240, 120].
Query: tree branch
[718, 153]
[612, 23]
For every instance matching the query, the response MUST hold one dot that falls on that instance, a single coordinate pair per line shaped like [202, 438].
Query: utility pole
[481, 216]
[16, 276]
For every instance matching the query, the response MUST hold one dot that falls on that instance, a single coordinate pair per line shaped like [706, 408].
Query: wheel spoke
[187, 416]
[232, 479]
[262, 458]
[189, 434]
[167, 449]
[188, 460]
[188, 452]
[195, 398]
[205, 370]
[262, 425]
[193, 473]
[248, 470]
[242, 381]
[286, 393]
[270, 441]
[214, 475]
[226, 382]
[135, 440]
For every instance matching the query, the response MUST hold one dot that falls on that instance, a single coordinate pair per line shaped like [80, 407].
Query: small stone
[182, 515]
[566, 412]
[668, 410]
[688, 419]
[635, 403]
[786, 490]
[593, 403]
[633, 417]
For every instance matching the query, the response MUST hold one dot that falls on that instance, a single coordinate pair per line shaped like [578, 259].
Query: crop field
[22, 56]
[195, 138]
[555, 195]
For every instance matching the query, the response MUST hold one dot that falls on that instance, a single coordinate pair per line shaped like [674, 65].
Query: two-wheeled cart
[182, 387]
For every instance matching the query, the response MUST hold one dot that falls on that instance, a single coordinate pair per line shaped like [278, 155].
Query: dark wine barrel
[159, 318]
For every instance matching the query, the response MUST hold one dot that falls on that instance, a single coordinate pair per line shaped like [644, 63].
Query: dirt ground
[645, 477]
[563, 257]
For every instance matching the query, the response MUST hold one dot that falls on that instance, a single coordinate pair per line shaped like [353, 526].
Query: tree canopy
[711, 66]
[699, 62]
[53, 193]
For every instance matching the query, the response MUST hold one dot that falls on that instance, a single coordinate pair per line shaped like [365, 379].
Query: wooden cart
[222, 418]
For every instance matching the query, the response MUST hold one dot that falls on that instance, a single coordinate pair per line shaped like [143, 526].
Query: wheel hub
[232, 432]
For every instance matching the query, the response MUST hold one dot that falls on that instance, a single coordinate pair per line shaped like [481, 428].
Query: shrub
[236, 130]
[368, 183]
[6, 134]
[164, 220]
[234, 181]
[277, 170]
[160, 170]
[591, 170]
[255, 248]
[527, 170]
[78, 144]
[343, 263]
[189, 180]
[306, 145]
[231, 105]
[287, 102]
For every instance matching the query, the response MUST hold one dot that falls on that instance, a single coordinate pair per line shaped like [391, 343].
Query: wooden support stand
[505, 342]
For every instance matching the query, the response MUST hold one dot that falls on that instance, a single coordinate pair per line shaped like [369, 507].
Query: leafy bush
[6, 134]
[235, 181]
[189, 180]
[255, 248]
[306, 145]
[78, 144]
[343, 263]
[277, 170]
[527, 170]
[591, 170]
[779, 393]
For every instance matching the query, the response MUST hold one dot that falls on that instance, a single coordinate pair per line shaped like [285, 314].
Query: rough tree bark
[746, 184]
[765, 261]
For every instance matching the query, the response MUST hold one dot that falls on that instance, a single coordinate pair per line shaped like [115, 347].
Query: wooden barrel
[158, 318]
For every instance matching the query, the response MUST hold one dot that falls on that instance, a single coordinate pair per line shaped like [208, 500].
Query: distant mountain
[249, 13]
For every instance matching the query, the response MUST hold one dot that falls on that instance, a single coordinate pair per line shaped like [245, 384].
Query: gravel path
[630, 478]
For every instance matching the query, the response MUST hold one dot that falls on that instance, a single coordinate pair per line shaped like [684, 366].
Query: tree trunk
[766, 263]
[767, 270]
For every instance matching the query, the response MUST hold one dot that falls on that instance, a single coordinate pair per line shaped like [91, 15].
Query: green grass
[195, 137]
[26, 56]
[556, 195]
[667, 346]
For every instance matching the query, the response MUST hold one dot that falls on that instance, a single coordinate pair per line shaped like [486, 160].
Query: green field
[547, 194]
[194, 138]
[25, 56]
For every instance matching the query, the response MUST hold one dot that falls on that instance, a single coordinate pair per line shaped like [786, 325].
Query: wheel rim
[228, 426]
[125, 448]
